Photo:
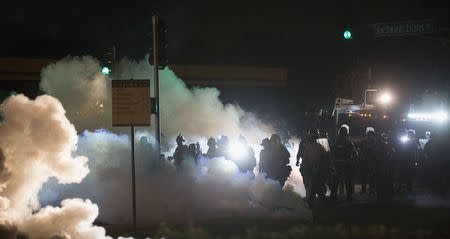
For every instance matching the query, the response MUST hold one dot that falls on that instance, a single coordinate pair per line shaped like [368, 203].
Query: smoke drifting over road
[165, 195]
[85, 93]
[41, 140]
[36, 143]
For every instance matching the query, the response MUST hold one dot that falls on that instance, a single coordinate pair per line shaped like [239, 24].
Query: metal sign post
[131, 107]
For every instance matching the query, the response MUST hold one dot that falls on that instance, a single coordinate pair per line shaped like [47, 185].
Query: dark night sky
[303, 36]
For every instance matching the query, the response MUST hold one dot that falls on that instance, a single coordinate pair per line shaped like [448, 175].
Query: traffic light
[109, 62]
[347, 35]
[106, 71]
[162, 45]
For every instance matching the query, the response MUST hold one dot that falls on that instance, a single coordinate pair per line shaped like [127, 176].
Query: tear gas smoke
[78, 83]
[48, 138]
[197, 113]
[163, 194]
[36, 144]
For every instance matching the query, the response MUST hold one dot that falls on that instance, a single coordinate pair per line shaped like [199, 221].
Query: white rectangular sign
[130, 102]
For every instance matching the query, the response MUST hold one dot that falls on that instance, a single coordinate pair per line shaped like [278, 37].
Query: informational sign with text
[131, 102]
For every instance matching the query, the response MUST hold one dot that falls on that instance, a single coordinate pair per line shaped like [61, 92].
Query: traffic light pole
[156, 84]
[113, 63]
[133, 181]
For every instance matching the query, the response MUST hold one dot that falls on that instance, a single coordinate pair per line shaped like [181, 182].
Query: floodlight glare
[385, 98]
[236, 149]
[438, 117]
[441, 116]
[404, 139]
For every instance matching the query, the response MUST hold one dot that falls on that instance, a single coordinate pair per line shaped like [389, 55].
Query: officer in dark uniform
[345, 155]
[212, 148]
[264, 157]
[181, 152]
[369, 161]
[279, 160]
[313, 165]
[406, 153]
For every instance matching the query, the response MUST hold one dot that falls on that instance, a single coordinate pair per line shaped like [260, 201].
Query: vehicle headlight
[385, 98]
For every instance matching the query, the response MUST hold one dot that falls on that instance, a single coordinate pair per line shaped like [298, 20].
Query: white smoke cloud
[73, 219]
[197, 113]
[78, 83]
[163, 195]
[36, 144]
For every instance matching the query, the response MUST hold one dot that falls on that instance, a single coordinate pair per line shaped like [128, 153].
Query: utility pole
[156, 84]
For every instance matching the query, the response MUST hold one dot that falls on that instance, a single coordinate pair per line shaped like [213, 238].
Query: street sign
[130, 102]
[403, 28]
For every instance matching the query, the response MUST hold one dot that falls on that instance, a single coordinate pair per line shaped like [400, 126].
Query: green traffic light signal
[106, 71]
[347, 35]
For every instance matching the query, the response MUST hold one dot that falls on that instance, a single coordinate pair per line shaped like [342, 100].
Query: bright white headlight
[385, 98]
[236, 149]
[404, 139]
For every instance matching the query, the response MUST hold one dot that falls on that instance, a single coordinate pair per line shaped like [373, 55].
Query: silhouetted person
[213, 151]
[181, 152]
[313, 157]
[369, 161]
[148, 155]
[384, 169]
[279, 162]
[264, 156]
[406, 158]
[345, 155]
[326, 170]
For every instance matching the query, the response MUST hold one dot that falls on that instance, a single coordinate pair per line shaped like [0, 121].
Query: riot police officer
[279, 168]
[313, 157]
[369, 161]
[212, 148]
[181, 152]
[344, 158]
[264, 157]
